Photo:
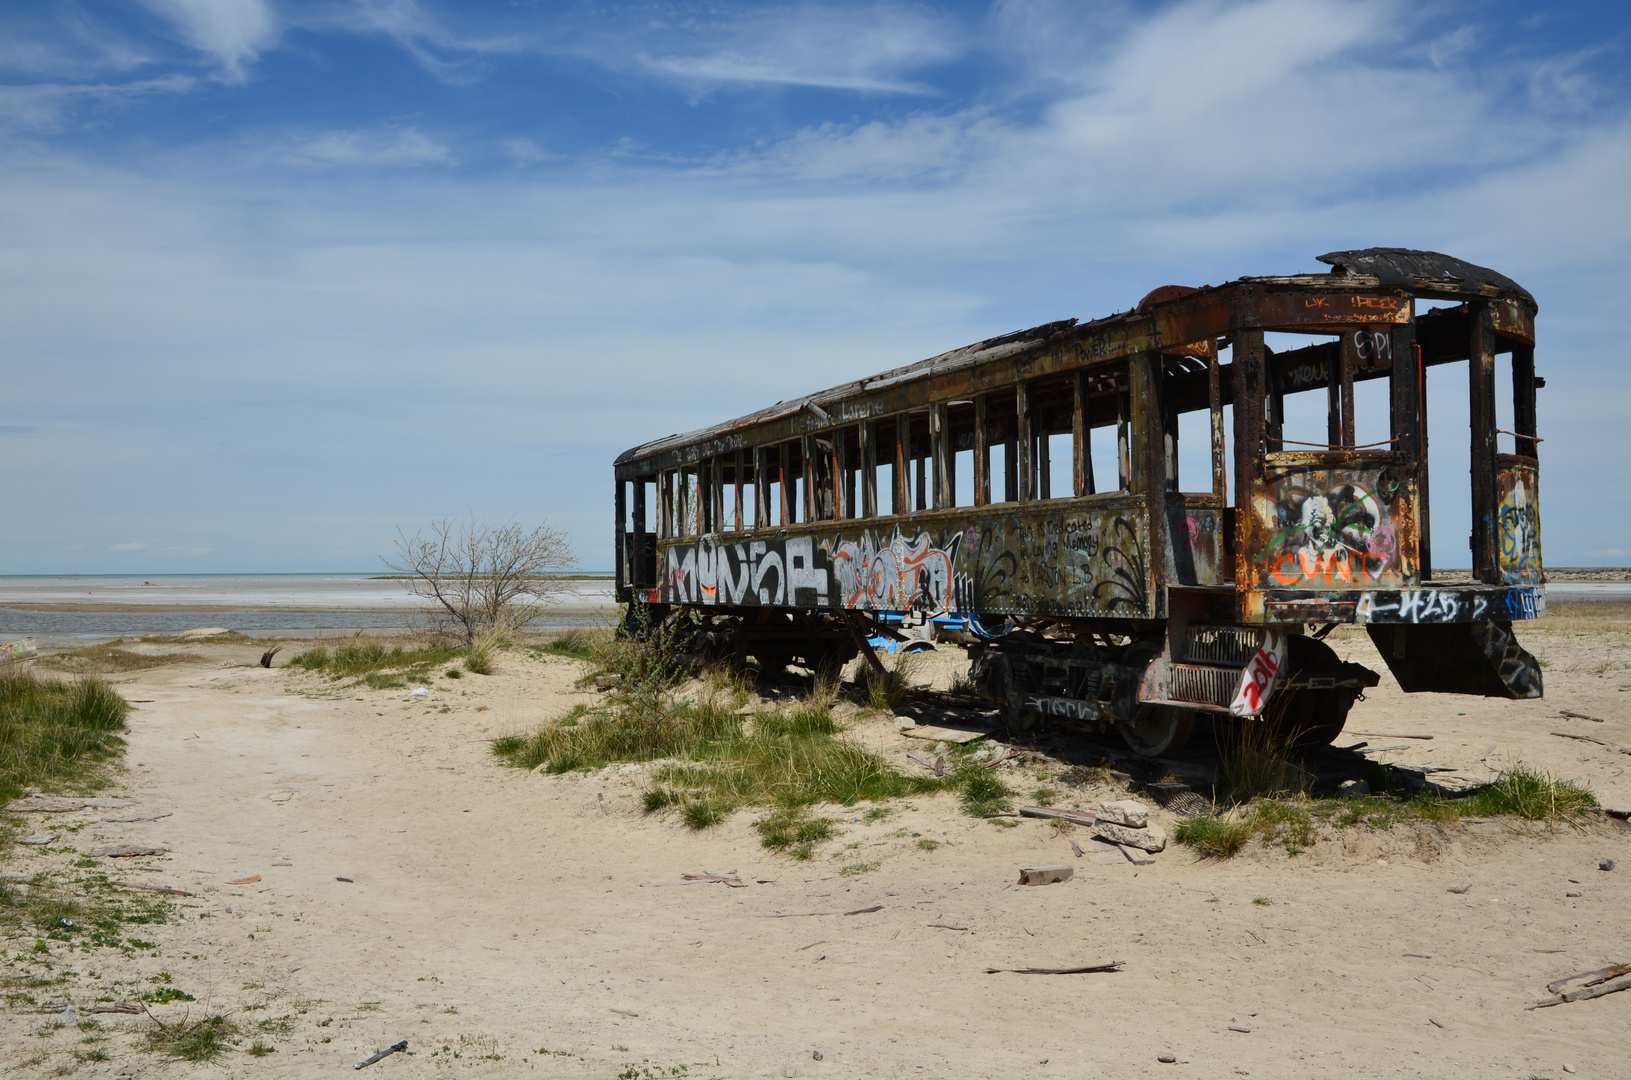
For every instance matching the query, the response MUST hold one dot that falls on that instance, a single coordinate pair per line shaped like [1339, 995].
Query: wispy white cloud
[130, 546]
[873, 48]
[42, 107]
[232, 32]
[403, 146]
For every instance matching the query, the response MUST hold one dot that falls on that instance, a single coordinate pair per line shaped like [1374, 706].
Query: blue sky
[276, 277]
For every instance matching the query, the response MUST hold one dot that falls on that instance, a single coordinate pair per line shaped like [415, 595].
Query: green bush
[54, 733]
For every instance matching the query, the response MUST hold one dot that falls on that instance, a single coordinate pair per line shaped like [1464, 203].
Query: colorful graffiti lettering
[1332, 533]
[901, 575]
[760, 572]
[1257, 681]
[1519, 528]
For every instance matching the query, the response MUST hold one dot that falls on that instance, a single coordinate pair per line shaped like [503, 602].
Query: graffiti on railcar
[1039, 563]
[1519, 525]
[1330, 528]
[899, 574]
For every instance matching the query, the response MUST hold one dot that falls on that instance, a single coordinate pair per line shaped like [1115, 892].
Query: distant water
[263, 605]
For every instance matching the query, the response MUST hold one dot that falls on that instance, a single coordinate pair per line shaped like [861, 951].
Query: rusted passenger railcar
[1030, 487]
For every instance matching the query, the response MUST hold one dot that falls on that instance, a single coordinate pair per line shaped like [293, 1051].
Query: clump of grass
[792, 830]
[577, 644]
[888, 691]
[101, 659]
[1213, 836]
[375, 663]
[261, 1049]
[1258, 757]
[478, 659]
[193, 1040]
[981, 791]
[1531, 794]
[54, 733]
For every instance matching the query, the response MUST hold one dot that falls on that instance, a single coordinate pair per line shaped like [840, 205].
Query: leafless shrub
[481, 578]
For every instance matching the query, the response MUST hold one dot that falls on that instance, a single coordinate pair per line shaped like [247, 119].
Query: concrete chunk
[1045, 875]
[1129, 812]
[1148, 839]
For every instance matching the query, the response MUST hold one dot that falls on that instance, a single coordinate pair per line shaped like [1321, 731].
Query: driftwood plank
[1111, 965]
[1079, 817]
[1590, 978]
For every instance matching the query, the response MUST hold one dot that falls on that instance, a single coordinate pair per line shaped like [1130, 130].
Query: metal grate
[1204, 685]
[1234, 645]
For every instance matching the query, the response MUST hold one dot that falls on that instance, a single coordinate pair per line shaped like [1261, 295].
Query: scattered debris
[1436, 1024]
[151, 888]
[126, 851]
[815, 1055]
[1583, 993]
[1136, 856]
[201, 631]
[12, 652]
[1077, 848]
[1045, 875]
[1485, 755]
[914, 730]
[1353, 789]
[865, 910]
[45, 804]
[1076, 817]
[116, 1007]
[944, 926]
[1150, 839]
[1616, 747]
[387, 1052]
[1111, 965]
[1590, 978]
[1460, 889]
[69, 1017]
[1381, 735]
[120, 819]
[250, 880]
[1167, 1059]
[37, 838]
[625, 1012]
[1242, 1030]
[607, 682]
[347, 880]
[1579, 716]
[1605, 864]
[937, 766]
[1128, 812]
[419, 691]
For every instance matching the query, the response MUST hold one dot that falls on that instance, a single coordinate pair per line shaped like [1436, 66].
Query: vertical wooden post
[812, 489]
[1010, 451]
[1214, 402]
[1348, 350]
[1124, 441]
[736, 505]
[1523, 400]
[869, 469]
[1024, 400]
[761, 487]
[1408, 414]
[781, 485]
[1081, 466]
[1333, 391]
[982, 454]
[642, 539]
[940, 453]
[1251, 399]
[1481, 411]
[620, 501]
[841, 508]
[902, 483]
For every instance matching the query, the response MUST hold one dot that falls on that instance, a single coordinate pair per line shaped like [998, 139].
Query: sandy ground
[504, 922]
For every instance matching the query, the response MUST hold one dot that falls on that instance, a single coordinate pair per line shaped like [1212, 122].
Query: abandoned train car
[1030, 486]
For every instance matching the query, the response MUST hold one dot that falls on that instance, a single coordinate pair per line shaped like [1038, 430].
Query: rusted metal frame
[1124, 441]
[620, 509]
[1168, 412]
[841, 510]
[1214, 403]
[664, 506]
[982, 454]
[1481, 412]
[1333, 394]
[901, 488]
[1424, 502]
[1025, 414]
[1010, 454]
[1523, 401]
[940, 453]
[869, 469]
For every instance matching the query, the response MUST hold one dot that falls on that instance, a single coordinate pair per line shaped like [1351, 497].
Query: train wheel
[1158, 730]
[1313, 718]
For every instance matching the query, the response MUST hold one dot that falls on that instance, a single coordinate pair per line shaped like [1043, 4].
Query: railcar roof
[1424, 271]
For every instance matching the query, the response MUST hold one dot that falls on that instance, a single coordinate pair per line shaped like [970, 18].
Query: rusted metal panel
[1063, 559]
[1518, 528]
[1426, 271]
[1302, 311]
[1481, 413]
[1197, 545]
[1512, 319]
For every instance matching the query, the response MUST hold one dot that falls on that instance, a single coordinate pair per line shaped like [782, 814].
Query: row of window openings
[707, 498]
